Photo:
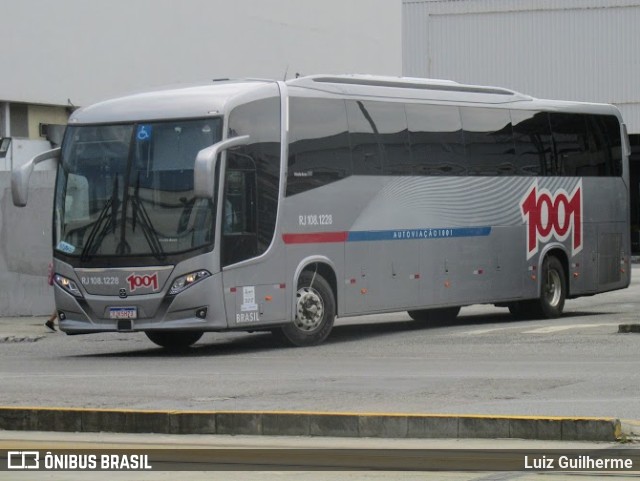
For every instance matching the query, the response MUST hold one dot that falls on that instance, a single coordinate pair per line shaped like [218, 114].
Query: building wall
[25, 248]
[583, 50]
[44, 114]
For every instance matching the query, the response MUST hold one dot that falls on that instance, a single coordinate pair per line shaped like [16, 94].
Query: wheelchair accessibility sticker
[144, 132]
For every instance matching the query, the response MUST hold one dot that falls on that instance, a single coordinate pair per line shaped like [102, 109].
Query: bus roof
[439, 91]
[186, 101]
[353, 84]
[215, 98]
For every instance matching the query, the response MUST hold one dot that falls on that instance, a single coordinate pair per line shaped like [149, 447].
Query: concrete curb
[310, 424]
[628, 328]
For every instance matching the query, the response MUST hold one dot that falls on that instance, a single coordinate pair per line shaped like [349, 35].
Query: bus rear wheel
[553, 289]
[553, 292]
[443, 314]
[174, 340]
[315, 312]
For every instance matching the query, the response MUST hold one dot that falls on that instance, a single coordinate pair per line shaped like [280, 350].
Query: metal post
[5, 131]
[6, 120]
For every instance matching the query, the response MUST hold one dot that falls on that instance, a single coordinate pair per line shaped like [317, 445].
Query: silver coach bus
[257, 205]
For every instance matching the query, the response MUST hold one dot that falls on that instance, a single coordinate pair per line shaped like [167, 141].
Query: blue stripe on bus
[411, 234]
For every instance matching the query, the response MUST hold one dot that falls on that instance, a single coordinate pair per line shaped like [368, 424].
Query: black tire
[553, 290]
[174, 340]
[315, 312]
[441, 315]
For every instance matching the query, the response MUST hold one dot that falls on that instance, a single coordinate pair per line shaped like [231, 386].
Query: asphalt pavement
[276, 423]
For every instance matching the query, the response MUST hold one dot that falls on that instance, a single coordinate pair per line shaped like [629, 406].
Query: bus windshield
[127, 190]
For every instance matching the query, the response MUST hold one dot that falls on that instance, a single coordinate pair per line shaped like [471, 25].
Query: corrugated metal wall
[583, 50]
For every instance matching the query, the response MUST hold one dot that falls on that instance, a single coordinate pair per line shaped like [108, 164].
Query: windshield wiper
[140, 213]
[102, 224]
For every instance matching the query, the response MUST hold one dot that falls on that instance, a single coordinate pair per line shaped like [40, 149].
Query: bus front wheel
[315, 312]
[174, 340]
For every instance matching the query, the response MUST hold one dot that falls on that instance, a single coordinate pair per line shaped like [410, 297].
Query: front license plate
[123, 313]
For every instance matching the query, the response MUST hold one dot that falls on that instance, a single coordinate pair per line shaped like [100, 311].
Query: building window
[19, 120]
[5, 142]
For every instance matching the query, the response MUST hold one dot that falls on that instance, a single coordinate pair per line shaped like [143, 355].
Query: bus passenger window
[532, 139]
[488, 140]
[571, 144]
[611, 127]
[605, 145]
[318, 144]
[437, 146]
[380, 138]
[366, 148]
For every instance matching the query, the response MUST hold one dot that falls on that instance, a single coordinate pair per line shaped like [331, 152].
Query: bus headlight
[183, 282]
[68, 285]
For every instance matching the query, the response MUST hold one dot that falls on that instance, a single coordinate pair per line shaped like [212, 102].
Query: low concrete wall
[25, 247]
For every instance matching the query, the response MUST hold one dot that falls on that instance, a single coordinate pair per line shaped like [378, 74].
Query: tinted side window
[319, 150]
[437, 145]
[571, 142]
[488, 140]
[605, 145]
[261, 120]
[532, 138]
[611, 125]
[379, 138]
[366, 153]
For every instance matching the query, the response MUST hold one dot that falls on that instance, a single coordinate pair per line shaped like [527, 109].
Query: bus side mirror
[20, 176]
[204, 168]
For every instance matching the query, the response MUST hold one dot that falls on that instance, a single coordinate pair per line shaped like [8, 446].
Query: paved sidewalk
[314, 459]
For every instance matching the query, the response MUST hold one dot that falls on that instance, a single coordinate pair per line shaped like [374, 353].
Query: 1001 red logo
[147, 281]
[557, 215]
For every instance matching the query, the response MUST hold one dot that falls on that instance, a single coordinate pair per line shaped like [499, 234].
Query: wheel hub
[310, 309]
[552, 288]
